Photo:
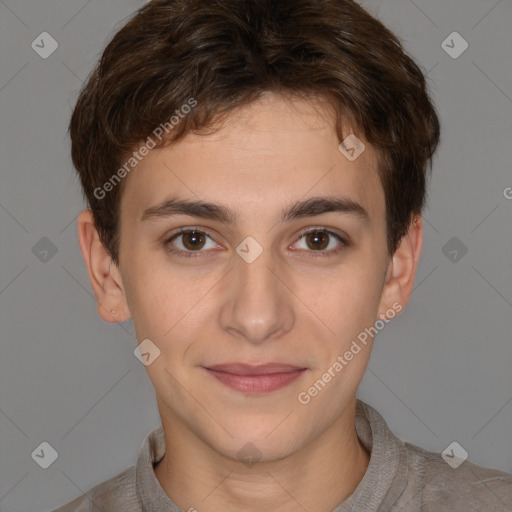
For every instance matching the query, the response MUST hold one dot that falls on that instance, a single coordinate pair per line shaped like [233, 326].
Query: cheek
[150, 300]
[346, 300]
[164, 304]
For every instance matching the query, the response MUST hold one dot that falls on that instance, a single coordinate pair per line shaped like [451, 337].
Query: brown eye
[193, 240]
[317, 240]
[189, 243]
[321, 241]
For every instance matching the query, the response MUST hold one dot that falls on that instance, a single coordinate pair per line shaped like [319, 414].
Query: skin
[294, 304]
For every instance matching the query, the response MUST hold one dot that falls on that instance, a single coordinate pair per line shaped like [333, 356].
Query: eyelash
[196, 254]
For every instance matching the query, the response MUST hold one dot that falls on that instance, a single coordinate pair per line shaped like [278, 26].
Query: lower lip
[256, 383]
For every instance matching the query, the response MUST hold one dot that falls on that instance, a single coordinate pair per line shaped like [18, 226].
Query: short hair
[225, 54]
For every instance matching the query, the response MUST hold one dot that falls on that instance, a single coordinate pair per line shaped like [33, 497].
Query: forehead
[265, 155]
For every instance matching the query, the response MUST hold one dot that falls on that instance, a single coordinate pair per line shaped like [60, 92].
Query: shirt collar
[387, 472]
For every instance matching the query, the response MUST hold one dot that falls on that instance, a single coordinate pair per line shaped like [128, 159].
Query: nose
[259, 305]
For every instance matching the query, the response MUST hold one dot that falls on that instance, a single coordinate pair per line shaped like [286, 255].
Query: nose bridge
[259, 306]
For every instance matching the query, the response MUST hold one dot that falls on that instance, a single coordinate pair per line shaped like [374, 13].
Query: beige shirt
[400, 477]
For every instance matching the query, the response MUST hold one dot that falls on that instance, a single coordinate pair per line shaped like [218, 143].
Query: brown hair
[224, 54]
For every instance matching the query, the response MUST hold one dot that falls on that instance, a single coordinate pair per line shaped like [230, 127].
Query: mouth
[255, 379]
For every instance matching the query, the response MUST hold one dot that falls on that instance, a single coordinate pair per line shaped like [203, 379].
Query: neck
[318, 477]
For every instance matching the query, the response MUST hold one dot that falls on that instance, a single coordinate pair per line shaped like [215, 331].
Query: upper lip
[248, 369]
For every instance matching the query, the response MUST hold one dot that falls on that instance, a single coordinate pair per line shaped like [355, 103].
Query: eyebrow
[307, 208]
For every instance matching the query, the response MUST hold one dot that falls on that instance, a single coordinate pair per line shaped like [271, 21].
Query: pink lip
[255, 379]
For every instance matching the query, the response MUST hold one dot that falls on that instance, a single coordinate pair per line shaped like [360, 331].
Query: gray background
[438, 373]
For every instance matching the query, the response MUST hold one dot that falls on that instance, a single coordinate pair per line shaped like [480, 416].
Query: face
[261, 279]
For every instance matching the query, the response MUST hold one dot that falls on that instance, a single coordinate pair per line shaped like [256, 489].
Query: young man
[255, 171]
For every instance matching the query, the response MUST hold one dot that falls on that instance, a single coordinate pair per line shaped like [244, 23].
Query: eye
[320, 239]
[192, 241]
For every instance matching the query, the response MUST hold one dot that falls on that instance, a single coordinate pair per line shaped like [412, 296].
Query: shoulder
[116, 493]
[468, 487]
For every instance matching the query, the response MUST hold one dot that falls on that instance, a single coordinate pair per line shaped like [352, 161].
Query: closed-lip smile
[262, 378]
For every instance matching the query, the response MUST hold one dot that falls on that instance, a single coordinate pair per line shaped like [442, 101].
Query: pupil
[318, 238]
[196, 239]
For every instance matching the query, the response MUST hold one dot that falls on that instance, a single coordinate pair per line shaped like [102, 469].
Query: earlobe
[104, 276]
[402, 268]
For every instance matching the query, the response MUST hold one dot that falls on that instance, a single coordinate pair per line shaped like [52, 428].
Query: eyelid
[187, 229]
[327, 229]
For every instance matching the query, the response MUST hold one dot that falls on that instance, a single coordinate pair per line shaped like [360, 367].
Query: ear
[402, 268]
[103, 273]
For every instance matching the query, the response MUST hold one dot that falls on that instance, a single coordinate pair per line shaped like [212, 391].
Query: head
[227, 117]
